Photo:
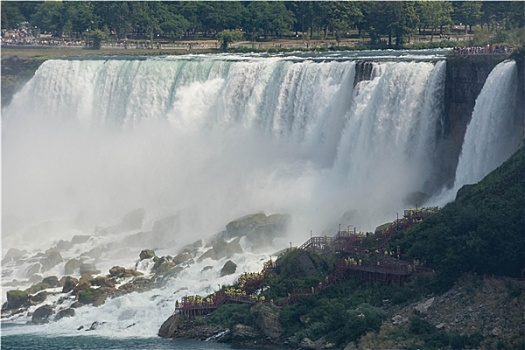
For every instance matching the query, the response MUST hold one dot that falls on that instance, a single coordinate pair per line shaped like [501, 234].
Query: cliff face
[465, 77]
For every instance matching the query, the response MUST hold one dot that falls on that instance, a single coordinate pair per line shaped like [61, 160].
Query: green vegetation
[228, 36]
[88, 295]
[232, 314]
[387, 23]
[480, 233]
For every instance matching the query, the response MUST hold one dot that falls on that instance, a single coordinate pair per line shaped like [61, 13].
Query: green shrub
[231, 314]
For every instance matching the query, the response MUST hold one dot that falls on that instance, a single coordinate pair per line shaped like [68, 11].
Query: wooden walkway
[384, 269]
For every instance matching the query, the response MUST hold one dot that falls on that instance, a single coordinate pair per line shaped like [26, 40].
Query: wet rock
[229, 268]
[16, 299]
[72, 266]
[35, 279]
[88, 268]
[79, 239]
[226, 250]
[206, 268]
[33, 269]
[99, 281]
[132, 273]
[13, 254]
[37, 287]
[39, 297]
[68, 283]
[42, 314]
[132, 220]
[64, 245]
[170, 326]
[117, 271]
[209, 254]
[52, 281]
[95, 325]
[166, 227]
[52, 259]
[89, 295]
[76, 305]
[85, 277]
[258, 228]
[184, 257]
[139, 284]
[65, 313]
[146, 254]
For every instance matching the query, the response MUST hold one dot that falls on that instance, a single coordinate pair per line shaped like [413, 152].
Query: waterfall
[208, 139]
[493, 133]
[222, 135]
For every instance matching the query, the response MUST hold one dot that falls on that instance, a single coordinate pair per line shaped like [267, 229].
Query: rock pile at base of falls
[83, 283]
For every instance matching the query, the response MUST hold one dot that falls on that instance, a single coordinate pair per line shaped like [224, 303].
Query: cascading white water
[493, 133]
[212, 139]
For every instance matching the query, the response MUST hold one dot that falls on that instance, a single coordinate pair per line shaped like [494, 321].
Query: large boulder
[79, 239]
[86, 268]
[226, 250]
[64, 245]
[184, 257]
[68, 283]
[146, 254]
[170, 326]
[39, 297]
[266, 319]
[72, 266]
[42, 314]
[52, 259]
[13, 254]
[89, 295]
[16, 299]
[166, 227]
[132, 220]
[258, 228]
[52, 281]
[65, 313]
[229, 268]
[117, 271]
[33, 269]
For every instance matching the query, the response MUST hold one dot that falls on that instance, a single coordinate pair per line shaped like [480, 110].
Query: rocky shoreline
[489, 309]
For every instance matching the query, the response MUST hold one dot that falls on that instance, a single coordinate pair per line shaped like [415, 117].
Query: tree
[11, 15]
[49, 17]
[98, 37]
[228, 36]
[468, 13]
[434, 14]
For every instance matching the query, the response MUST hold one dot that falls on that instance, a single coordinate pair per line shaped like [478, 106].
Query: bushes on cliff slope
[481, 232]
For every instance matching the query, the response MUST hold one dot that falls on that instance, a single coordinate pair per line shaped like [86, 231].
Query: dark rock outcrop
[72, 266]
[229, 268]
[39, 297]
[65, 313]
[52, 281]
[42, 314]
[68, 284]
[16, 299]
[146, 254]
[52, 259]
[266, 319]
